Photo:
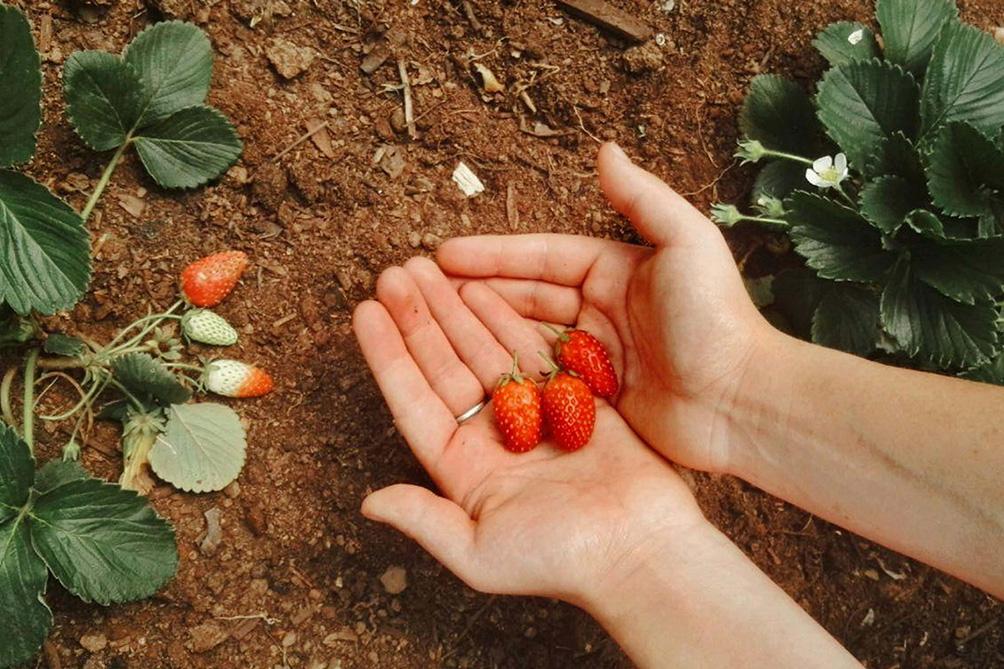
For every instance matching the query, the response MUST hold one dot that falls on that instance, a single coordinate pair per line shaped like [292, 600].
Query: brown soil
[296, 580]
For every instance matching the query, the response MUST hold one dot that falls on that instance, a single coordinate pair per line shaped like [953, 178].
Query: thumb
[437, 524]
[657, 212]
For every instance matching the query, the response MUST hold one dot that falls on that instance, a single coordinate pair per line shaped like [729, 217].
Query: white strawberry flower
[827, 172]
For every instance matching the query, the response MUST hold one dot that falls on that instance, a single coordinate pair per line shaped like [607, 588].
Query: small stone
[94, 643]
[431, 242]
[395, 580]
[214, 532]
[397, 120]
[414, 239]
[206, 636]
[288, 59]
[644, 58]
[233, 490]
[289, 639]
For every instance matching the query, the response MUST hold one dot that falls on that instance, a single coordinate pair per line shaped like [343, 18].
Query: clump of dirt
[289, 574]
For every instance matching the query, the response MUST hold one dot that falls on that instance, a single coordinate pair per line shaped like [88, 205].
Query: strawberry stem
[28, 430]
[5, 404]
[550, 363]
[562, 337]
[106, 176]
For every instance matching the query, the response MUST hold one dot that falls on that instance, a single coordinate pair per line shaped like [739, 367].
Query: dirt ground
[296, 581]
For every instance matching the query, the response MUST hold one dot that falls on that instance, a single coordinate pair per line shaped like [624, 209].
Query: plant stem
[158, 318]
[31, 363]
[844, 195]
[181, 365]
[85, 401]
[5, 385]
[61, 363]
[106, 176]
[125, 391]
[787, 156]
[776, 223]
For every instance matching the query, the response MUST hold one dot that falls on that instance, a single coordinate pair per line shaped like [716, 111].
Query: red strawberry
[232, 378]
[207, 281]
[582, 353]
[570, 410]
[517, 410]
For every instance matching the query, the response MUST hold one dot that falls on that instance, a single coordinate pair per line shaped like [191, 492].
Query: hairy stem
[157, 320]
[5, 404]
[787, 156]
[30, 365]
[106, 176]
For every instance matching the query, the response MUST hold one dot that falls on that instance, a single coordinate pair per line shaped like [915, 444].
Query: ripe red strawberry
[570, 410]
[582, 353]
[232, 378]
[207, 281]
[516, 401]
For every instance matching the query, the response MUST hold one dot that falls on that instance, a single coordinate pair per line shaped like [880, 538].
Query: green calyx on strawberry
[517, 405]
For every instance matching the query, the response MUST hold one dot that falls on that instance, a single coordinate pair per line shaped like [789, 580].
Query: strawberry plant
[889, 182]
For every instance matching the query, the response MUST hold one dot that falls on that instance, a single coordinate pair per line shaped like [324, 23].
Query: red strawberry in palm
[207, 281]
[582, 353]
[569, 409]
[516, 401]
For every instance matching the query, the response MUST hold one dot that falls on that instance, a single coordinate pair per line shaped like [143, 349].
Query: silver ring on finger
[470, 413]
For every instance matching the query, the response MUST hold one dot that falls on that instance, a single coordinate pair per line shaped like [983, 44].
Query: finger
[658, 212]
[421, 416]
[539, 300]
[561, 259]
[446, 373]
[437, 524]
[472, 341]
[513, 331]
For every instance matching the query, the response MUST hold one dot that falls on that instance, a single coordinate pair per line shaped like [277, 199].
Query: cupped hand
[676, 318]
[543, 523]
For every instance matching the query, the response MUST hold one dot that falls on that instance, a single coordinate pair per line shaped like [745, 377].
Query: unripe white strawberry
[208, 327]
[232, 378]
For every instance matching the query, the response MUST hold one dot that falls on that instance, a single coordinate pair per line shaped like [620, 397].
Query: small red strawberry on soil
[580, 352]
[569, 409]
[516, 401]
[207, 281]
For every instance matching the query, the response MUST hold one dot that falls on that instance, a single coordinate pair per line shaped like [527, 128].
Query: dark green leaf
[174, 60]
[863, 102]
[17, 471]
[847, 318]
[23, 576]
[55, 473]
[202, 449]
[927, 324]
[778, 114]
[778, 178]
[926, 223]
[45, 259]
[964, 81]
[16, 330]
[189, 148]
[966, 272]
[888, 200]
[21, 82]
[103, 98]
[64, 345]
[965, 172]
[910, 28]
[895, 155]
[834, 240]
[844, 41]
[797, 293]
[990, 372]
[104, 544]
[145, 377]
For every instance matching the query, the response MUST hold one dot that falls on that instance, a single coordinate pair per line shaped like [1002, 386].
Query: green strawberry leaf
[104, 98]
[174, 60]
[778, 178]
[929, 325]
[55, 473]
[989, 372]
[834, 240]
[887, 201]
[847, 319]
[64, 345]
[895, 155]
[146, 378]
[20, 71]
[965, 172]
[844, 41]
[102, 543]
[778, 114]
[797, 293]
[45, 261]
[966, 272]
[202, 449]
[17, 472]
[862, 103]
[23, 577]
[911, 27]
[189, 148]
[963, 81]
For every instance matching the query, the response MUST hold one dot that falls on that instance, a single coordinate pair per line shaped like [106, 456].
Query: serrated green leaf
[911, 27]
[963, 81]
[895, 156]
[23, 577]
[847, 319]
[174, 60]
[965, 172]
[203, 448]
[927, 324]
[834, 240]
[863, 102]
[888, 200]
[102, 543]
[844, 41]
[45, 261]
[145, 377]
[189, 148]
[20, 71]
[778, 114]
[926, 223]
[104, 98]
[64, 345]
[989, 372]
[55, 473]
[778, 179]
[966, 272]
[17, 472]
[797, 293]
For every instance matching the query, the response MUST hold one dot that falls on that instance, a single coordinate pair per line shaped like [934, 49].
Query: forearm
[914, 461]
[702, 603]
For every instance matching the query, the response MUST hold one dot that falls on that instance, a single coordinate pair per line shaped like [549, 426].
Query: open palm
[542, 523]
[676, 318]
